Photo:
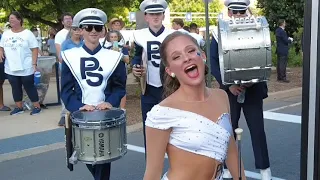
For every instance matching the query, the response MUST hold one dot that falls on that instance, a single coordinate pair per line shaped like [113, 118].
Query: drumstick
[239, 131]
[68, 136]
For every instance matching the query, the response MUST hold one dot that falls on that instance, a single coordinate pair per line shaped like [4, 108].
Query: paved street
[32, 148]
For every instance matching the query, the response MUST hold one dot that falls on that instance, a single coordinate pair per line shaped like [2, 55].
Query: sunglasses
[75, 28]
[89, 28]
[239, 11]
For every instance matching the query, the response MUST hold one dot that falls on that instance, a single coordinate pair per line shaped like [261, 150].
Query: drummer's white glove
[290, 38]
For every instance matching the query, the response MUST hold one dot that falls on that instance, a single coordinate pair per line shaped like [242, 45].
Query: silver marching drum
[98, 137]
[244, 50]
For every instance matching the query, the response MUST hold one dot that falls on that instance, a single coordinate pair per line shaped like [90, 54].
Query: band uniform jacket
[147, 53]
[92, 77]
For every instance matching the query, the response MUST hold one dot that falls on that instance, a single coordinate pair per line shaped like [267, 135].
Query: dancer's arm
[156, 144]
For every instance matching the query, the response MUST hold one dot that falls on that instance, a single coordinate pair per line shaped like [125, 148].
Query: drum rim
[76, 120]
[99, 125]
[122, 154]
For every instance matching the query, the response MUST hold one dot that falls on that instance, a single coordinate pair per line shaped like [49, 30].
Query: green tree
[48, 12]
[290, 10]
[196, 6]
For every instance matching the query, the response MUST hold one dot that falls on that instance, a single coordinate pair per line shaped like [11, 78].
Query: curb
[284, 94]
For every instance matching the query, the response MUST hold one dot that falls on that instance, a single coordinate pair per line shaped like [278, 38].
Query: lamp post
[310, 123]
[209, 79]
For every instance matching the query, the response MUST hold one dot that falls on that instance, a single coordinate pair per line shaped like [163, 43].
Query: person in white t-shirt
[61, 36]
[66, 20]
[178, 24]
[19, 47]
[194, 33]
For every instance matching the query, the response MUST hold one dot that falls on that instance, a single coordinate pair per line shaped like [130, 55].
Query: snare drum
[244, 50]
[99, 137]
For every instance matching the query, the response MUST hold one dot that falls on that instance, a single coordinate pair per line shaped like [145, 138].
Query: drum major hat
[153, 6]
[90, 16]
[237, 4]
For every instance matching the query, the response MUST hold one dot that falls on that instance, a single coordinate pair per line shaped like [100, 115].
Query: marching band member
[253, 104]
[93, 77]
[192, 124]
[146, 63]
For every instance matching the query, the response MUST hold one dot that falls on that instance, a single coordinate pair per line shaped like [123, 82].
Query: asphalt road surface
[41, 156]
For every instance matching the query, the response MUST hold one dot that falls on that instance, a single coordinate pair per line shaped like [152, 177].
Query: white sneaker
[265, 174]
[226, 174]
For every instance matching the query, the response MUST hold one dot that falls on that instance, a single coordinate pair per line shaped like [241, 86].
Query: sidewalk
[11, 126]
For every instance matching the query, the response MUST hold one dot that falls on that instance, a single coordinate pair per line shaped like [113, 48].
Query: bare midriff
[190, 166]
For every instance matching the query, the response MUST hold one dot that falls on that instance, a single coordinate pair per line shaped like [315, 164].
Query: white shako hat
[237, 4]
[90, 16]
[153, 6]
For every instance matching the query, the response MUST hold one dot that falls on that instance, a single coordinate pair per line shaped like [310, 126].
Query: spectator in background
[177, 24]
[282, 51]
[117, 24]
[2, 79]
[51, 45]
[186, 28]
[74, 39]
[114, 37]
[194, 32]
[35, 31]
[66, 20]
[20, 49]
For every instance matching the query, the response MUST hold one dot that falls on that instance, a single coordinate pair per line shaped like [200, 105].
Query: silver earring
[204, 60]
[173, 75]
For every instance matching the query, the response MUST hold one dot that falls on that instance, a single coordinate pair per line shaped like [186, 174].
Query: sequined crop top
[193, 132]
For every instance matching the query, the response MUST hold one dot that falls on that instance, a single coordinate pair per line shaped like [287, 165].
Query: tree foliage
[196, 6]
[290, 10]
[48, 12]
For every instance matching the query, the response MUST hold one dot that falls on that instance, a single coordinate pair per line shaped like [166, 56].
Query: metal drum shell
[96, 141]
[244, 50]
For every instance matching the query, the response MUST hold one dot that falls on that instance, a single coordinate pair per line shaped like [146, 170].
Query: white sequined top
[193, 132]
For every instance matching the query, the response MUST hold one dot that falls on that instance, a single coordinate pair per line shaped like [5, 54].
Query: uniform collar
[97, 49]
[158, 33]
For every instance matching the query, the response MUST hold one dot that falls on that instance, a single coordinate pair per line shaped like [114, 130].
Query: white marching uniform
[150, 44]
[91, 74]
